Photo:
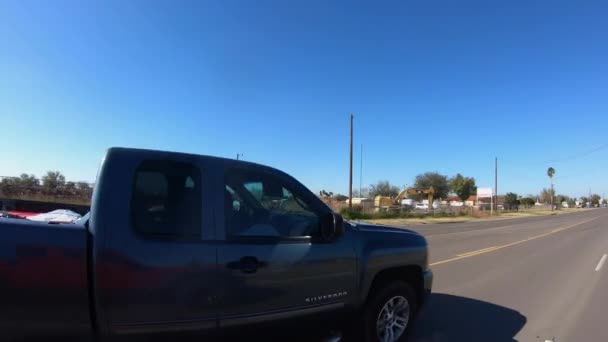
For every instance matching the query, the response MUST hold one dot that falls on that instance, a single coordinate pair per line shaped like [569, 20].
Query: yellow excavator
[385, 202]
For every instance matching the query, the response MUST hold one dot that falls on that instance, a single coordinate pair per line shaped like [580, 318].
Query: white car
[56, 216]
[421, 206]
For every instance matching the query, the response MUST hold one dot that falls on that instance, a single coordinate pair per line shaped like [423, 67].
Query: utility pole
[361, 172]
[552, 195]
[350, 177]
[496, 184]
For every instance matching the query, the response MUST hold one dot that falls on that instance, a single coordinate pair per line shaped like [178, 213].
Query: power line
[525, 164]
[578, 155]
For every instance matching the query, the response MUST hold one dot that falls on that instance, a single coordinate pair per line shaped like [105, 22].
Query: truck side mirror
[332, 226]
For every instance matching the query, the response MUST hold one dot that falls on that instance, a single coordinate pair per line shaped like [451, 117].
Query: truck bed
[43, 279]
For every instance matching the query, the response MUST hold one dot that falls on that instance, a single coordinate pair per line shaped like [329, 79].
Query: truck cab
[219, 242]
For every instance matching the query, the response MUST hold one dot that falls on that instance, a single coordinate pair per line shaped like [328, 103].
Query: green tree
[560, 199]
[511, 200]
[83, 186]
[462, 186]
[383, 188]
[572, 202]
[546, 195]
[438, 181]
[551, 173]
[69, 189]
[22, 186]
[8, 186]
[84, 190]
[28, 181]
[53, 180]
[595, 200]
[584, 201]
[527, 201]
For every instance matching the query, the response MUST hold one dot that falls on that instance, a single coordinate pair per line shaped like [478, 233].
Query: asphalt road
[525, 279]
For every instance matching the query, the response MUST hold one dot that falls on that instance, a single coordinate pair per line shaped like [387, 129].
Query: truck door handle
[247, 264]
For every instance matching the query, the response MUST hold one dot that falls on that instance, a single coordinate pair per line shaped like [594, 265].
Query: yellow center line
[495, 248]
[477, 251]
[471, 231]
[493, 228]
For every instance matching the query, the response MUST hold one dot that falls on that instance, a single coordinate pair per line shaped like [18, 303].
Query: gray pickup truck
[186, 243]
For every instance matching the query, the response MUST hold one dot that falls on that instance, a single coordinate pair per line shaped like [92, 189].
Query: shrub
[358, 213]
[355, 213]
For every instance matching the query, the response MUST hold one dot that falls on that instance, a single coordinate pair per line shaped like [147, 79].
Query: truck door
[155, 255]
[270, 263]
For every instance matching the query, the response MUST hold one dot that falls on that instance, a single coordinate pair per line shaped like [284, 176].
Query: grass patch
[539, 212]
[357, 213]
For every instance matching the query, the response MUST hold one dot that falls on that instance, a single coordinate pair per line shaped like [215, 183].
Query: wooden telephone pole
[496, 185]
[350, 177]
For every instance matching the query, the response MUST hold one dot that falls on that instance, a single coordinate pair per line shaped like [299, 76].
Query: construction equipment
[386, 202]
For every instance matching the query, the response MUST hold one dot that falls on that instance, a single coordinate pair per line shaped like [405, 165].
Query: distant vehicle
[179, 242]
[407, 202]
[421, 206]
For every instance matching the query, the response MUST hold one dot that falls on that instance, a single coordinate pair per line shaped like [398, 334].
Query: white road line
[601, 263]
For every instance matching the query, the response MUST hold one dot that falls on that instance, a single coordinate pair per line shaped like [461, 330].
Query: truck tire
[389, 312]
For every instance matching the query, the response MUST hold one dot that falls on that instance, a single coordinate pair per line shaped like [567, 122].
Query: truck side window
[260, 204]
[166, 200]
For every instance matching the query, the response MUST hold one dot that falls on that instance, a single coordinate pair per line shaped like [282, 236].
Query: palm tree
[550, 173]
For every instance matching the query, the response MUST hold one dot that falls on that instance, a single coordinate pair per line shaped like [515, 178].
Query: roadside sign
[484, 192]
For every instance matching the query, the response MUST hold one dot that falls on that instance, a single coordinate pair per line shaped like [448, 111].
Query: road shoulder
[460, 219]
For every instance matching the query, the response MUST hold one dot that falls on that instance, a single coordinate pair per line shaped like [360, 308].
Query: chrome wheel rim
[393, 319]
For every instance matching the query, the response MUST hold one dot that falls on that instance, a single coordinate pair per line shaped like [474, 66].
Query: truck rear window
[166, 199]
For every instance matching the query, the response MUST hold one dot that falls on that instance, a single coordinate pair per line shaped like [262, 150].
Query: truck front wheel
[388, 313]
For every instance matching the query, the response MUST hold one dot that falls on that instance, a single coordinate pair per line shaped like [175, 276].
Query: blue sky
[434, 86]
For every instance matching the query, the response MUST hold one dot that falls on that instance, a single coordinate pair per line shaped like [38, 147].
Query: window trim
[158, 236]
